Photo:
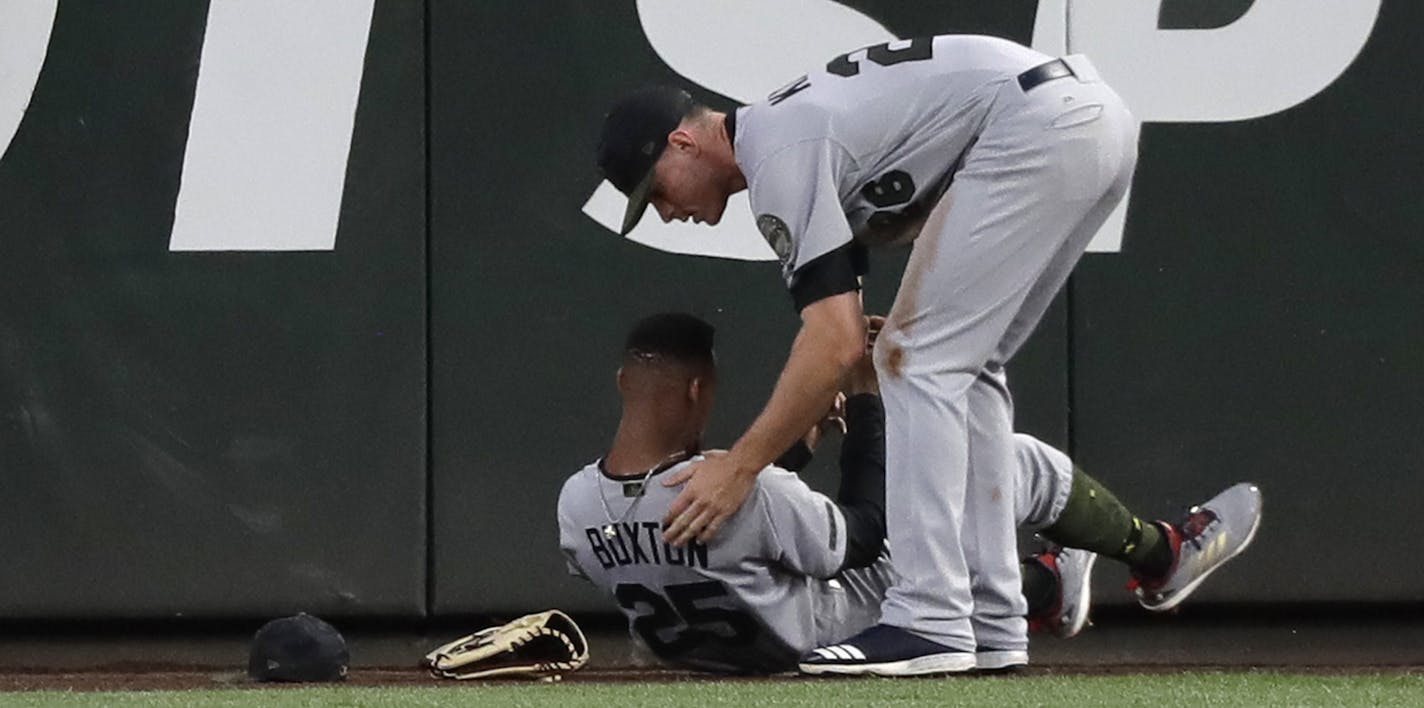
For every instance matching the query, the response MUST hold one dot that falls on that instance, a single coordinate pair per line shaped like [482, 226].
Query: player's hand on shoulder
[715, 489]
[686, 473]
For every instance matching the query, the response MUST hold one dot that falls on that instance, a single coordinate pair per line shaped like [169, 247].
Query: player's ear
[701, 390]
[696, 389]
[682, 139]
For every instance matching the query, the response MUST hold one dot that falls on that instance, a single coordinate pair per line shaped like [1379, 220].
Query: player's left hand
[716, 488]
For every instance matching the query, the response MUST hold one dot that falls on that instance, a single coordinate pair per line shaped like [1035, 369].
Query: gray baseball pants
[851, 602]
[1045, 172]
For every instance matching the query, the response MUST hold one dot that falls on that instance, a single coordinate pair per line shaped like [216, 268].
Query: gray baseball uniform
[758, 595]
[1001, 165]
[766, 590]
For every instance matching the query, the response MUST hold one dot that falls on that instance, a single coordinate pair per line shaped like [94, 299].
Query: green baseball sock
[1094, 520]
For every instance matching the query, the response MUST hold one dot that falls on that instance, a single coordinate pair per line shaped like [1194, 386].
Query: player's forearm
[829, 343]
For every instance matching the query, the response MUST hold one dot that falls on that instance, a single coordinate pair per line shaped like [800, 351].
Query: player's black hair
[671, 337]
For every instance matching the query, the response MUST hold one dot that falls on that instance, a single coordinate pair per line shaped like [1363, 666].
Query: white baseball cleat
[1073, 568]
[1209, 535]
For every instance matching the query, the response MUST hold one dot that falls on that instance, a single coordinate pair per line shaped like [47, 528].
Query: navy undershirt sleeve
[861, 496]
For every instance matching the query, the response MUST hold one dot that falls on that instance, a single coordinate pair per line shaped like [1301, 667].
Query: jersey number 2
[919, 49]
[700, 624]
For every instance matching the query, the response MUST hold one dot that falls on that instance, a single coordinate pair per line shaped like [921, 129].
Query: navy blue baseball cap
[299, 648]
[634, 136]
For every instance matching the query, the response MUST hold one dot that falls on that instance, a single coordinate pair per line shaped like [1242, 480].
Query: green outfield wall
[304, 311]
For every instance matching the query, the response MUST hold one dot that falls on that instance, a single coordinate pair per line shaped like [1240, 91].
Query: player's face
[685, 186]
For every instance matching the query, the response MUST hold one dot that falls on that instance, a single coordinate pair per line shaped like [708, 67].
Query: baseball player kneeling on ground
[794, 569]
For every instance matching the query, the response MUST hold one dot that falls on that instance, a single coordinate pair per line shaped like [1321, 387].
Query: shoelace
[1198, 521]
[1191, 530]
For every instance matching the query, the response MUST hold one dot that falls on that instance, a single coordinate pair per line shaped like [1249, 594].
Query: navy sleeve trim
[860, 258]
[827, 276]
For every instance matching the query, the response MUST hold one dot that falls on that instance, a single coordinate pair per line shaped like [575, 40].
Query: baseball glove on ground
[542, 645]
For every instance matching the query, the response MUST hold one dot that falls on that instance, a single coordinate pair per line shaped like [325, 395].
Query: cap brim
[637, 204]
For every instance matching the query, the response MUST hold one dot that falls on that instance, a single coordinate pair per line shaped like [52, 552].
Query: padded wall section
[205, 433]
[1265, 322]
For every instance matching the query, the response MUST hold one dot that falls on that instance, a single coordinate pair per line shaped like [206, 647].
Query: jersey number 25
[675, 612]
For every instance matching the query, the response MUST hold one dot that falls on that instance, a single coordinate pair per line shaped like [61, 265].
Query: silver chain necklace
[610, 530]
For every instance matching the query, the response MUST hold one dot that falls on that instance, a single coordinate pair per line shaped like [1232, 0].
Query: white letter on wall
[271, 129]
[24, 40]
[1275, 56]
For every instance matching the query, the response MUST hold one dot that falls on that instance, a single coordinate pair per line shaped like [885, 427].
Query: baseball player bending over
[1001, 163]
[793, 570]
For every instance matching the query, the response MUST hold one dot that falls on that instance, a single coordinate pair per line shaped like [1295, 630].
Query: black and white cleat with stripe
[883, 650]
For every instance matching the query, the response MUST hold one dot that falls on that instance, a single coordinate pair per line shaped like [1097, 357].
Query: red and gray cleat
[1069, 613]
[1209, 535]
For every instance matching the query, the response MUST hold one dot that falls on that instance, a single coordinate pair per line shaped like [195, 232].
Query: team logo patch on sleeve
[774, 230]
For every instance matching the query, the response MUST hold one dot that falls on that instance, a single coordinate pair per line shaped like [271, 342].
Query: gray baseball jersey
[751, 600]
[755, 599]
[828, 159]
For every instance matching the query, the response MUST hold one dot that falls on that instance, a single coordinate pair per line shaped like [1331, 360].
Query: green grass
[1193, 689]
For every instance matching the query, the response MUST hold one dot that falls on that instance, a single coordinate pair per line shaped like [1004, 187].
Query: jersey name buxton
[744, 601]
